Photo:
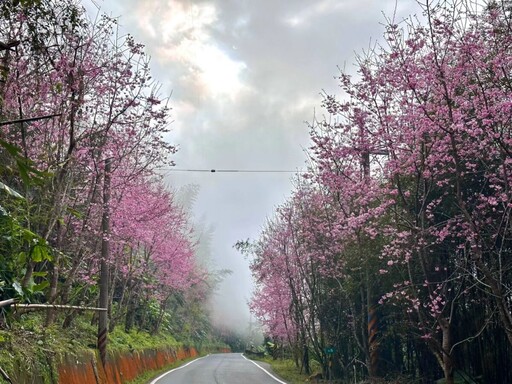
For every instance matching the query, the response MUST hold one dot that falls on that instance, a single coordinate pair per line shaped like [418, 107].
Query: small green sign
[330, 350]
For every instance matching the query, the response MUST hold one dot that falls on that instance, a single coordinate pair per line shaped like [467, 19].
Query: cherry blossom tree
[78, 94]
[414, 159]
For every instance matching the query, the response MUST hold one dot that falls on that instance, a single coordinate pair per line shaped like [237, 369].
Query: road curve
[221, 368]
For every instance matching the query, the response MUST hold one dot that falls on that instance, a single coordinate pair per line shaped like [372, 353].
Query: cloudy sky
[245, 77]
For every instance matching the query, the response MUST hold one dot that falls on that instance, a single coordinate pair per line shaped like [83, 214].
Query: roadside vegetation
[31, 349]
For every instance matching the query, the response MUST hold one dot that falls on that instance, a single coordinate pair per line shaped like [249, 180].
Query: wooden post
[373, 344]
[373, 321]
[104, 273]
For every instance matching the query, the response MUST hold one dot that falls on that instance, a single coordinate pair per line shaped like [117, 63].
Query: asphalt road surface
[222, 368]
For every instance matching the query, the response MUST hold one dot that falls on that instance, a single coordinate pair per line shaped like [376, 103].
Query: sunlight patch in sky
[218, 73]
[185, 34]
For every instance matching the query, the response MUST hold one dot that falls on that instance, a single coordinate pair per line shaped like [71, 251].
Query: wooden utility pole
[373, 321]
[104, 273]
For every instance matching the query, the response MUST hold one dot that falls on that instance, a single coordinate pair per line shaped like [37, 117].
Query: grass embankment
[285, 369]
[288, 371]
[29, 349]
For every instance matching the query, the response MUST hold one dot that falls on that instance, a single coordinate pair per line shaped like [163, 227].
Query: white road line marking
[175, 369]
[264, 370]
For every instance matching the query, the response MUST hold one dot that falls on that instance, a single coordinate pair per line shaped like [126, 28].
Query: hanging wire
[233, 170]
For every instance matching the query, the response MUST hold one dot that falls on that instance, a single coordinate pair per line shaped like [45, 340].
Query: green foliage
[19, 246]
[26, 168]
[139, 340]
[29, 348]
[33, 347]
[245, 247]
[9, 191]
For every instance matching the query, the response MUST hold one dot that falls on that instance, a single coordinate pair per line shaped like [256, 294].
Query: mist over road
[222, 368]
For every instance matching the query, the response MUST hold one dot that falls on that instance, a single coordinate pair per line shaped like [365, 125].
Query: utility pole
[373, 322]
[104, 273]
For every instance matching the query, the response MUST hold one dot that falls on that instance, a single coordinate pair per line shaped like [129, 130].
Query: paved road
[222, 368]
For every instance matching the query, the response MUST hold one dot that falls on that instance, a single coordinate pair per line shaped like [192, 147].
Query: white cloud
[305, 15]
[181, 33]
[172, 20]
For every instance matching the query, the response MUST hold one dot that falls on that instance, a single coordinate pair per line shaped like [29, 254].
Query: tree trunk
[305, 361]
[104, 275]
[447, 345]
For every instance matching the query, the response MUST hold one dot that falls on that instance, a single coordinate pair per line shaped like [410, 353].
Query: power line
[29, 119]
[233, 170]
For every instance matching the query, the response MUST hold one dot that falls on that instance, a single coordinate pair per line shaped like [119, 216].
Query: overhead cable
[233, 170]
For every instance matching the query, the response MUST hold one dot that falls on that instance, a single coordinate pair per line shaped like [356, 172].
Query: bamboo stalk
[55, 306]
[4, 374]
[5, 303]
